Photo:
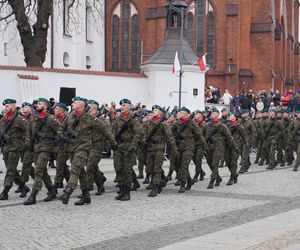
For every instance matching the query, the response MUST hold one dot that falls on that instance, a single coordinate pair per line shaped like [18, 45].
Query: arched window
[115, 43]
[205, 39]
[125, 38]
[66, 59]
[135, 44]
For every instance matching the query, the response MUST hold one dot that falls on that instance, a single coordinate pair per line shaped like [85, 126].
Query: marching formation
[38, 132]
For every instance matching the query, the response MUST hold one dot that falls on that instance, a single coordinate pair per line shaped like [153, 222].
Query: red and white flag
[176, 65]
[202, 63]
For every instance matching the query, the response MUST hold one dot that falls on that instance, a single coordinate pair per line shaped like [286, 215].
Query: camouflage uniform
[155, 151]
[265, 146]
[259, 137]
[187, 133]
[296, 135]
[246, 148]
[274, 130]
[12, 151]
[280, 144]
[231, 154]
[62, 169]
[288, 141]
[224, 120]
[141, 154]
[93, 173]
[215, 134]
[43, 143]
[198, 156]
[124, 157]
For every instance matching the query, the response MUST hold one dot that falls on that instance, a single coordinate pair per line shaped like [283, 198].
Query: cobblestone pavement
[148, 223]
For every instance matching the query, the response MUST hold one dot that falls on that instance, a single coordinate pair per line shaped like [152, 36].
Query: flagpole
[181, 57]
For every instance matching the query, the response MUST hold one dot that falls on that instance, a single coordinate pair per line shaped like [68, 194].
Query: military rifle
[179, 136]
[71, 133]
[5, 136]
[35, 138]
[146, 143]
[211, 135]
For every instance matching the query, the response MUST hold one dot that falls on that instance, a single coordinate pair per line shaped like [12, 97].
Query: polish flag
[176, 65]
[202, 63]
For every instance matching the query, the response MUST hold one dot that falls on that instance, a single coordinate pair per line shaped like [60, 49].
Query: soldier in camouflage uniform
[141, 155]
[274, 130]
[28, 157]
[126, 132]
[251, 133]
[215, 134]
[199, 152]
[258, 122]
[62, 155]
[100, 133]
[296, 136]
[288, 142]
[40, 136]
[77, 130]
[156, 134]
[12, 132]
[280, 144]
[265, 146]
[224, 120]
[187, 133]
[231, 155]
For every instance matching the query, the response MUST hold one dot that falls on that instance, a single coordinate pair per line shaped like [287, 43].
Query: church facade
[248, 44]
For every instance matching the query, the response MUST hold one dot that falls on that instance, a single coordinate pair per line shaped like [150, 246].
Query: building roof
[166, 52]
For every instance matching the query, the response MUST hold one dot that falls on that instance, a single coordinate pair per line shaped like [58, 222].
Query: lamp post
[181, 11]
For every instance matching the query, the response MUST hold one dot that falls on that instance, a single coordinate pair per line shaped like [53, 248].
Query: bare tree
[32, 20]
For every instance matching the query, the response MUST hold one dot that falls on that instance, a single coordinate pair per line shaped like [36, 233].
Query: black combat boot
[121, 192]
[18, 190]
[85, 199]
[190, 183]
[243, 170]
[211, 184]
[295, 167]
[4, 194]
[282, 164]
[261, 163]
[231, 181]
[271, 166]
[100, 186]
[160, 188]
[126, 195]
[24, 191]
[256, 161]
[146, 181]
[195, 178]
[31, 199]
[51, 164]
[182, 187]
[153, 192]
[177, 183]
[218, 181]
[235, 178]
[58, 184]
[169, 176]
[164, 180]
[135, 185]
[150, 186]
[202, 174]
[51, 195]
[66, 196]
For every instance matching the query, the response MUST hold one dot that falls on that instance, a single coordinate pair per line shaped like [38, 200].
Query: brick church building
[250, 44]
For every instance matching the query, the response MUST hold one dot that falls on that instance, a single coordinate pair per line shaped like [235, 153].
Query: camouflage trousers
[173, 164]
[154, 162]
[92, 168]
[265, 154]
[62, 169]
[288, 151]
[78, 162]
[141, 156]
[40, 171]
[245, 155]
[280, 148]
[123, 163]
[259, 148]
[273, 144]
[183, 161]
[231, 158]
[297, 149]
[27, 168]
[197, 159]
[11, 160]
[213, 157]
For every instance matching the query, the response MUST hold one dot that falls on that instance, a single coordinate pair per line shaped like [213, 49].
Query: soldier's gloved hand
[29, 147]
[131, 150]
[115, 147]
[62, 138]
